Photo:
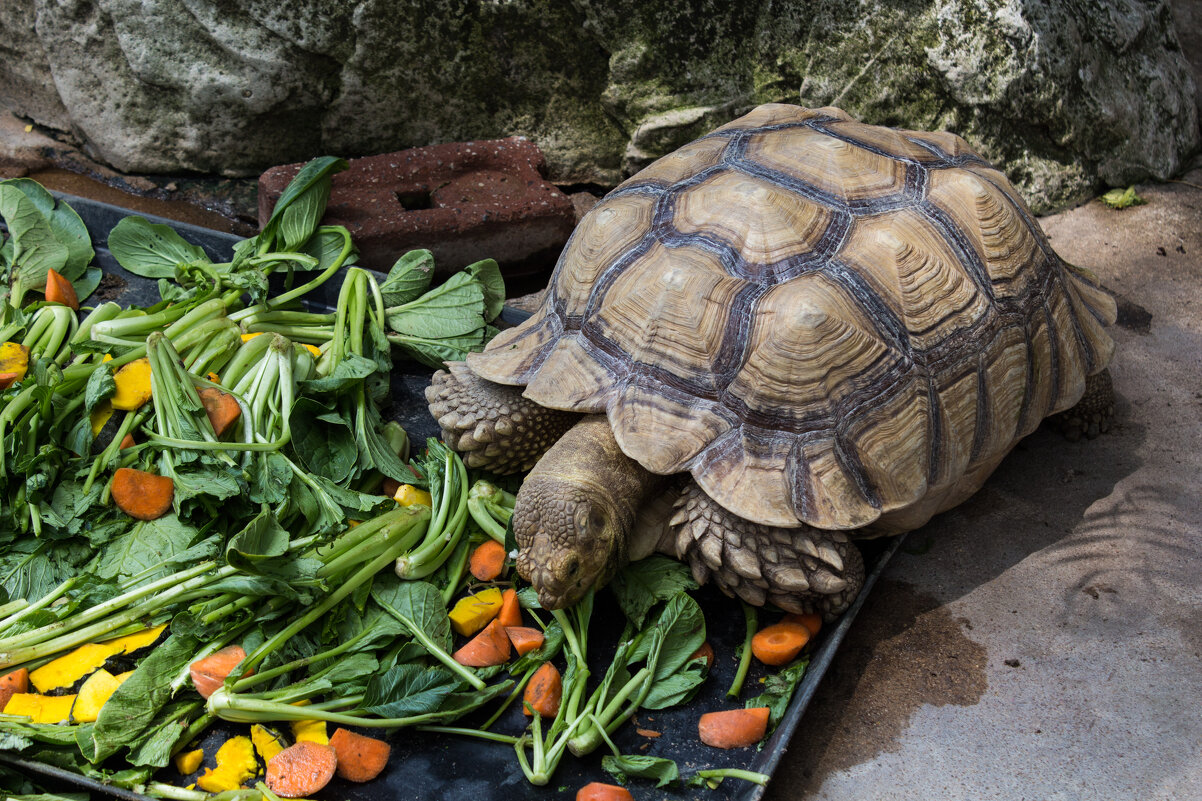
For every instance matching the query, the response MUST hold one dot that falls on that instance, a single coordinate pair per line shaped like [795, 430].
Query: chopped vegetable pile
[205, 518]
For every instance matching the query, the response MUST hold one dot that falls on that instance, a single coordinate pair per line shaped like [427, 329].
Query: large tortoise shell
[823, 321]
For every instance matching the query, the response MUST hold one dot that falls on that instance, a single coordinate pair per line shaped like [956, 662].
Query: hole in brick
[412, 201]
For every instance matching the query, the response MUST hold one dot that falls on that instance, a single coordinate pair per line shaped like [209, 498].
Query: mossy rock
[1064, 96]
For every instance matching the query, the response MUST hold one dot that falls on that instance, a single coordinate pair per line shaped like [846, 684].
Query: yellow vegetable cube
[473, 613]
[99, 416]
[313, 731]
[249, 337]
[189, 761]
[268, 742]
[14, 361]
[133, 385]
[40, 708]
[409, 495]
[236, 764]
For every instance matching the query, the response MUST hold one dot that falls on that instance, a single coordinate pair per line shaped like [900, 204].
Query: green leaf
[408, 690]
[642, 584]
[149, 544]
[136, 705]
[100, 387]
[86, 284]
[640, 766]
[322, 440]
[434, 352]
[677, 674]
[316, 170]
[778, 691]
[35, 249]
[326, 246]
[68, 228]
[418, 602]
[300, 217]
[269, 476]
[1122, 198]
[488, 273]
[409, 277]
[346, 376]
[151, 250]
[456, 308]
[263, 539]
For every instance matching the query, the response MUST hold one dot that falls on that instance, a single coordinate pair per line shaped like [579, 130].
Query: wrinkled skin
[573, 518]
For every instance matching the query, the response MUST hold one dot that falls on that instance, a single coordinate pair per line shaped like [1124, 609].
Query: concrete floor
[1044, 640]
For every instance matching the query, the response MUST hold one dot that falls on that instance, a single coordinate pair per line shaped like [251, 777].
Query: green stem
[750, 623]
[734, 773]
[482, 735]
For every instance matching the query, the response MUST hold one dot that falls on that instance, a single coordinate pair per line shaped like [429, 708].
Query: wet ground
[1044, 640]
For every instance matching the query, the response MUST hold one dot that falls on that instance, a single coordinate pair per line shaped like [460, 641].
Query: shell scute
[834, 167]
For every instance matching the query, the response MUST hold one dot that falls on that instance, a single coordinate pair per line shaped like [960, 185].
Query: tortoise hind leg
[1093, 413]
[492, 425]
[798, 569]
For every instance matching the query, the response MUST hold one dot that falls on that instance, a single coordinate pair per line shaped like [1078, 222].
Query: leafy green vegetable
[151, 250]
[1122, 198]
[640, 766]
[778, 691]
[35, 249]
[641, 585]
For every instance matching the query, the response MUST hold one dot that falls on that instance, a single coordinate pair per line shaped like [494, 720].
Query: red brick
[466, 201]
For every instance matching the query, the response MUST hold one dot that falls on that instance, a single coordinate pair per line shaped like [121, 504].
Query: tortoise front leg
[798, 569]
[1093, 414]
[492, 425]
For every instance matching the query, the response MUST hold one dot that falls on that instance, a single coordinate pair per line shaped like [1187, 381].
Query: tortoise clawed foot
[1093, 414]
[798, 569]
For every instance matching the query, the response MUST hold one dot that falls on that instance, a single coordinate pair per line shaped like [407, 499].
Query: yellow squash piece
[236, 764]
[67, 670]
[267, 741]
[40, 708]
[409, 495]
[187, 762]
[14, 359]
[99, 416]
[316, 351]
[474, 612]
[310, 731]
[249, 337]
[93, 694]
[121, 677]
[70, 668]
[133, 385]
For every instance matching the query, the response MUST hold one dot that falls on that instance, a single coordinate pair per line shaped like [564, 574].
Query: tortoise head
[570, 539]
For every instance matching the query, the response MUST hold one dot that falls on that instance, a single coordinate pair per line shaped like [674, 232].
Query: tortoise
[794, 331]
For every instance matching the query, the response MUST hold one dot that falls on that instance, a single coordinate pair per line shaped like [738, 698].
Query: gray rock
[1065, 95]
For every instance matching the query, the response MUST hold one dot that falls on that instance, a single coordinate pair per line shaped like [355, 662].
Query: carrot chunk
[489, 647]
[544, 692]
[8, 379]
[301, 770]
[390, 486]
[599, 791]
[59, 290]
[13, 683]
[209, 673]
[525, 639]
[779, 643]
[128, 441]
[487, 561]
[360, 758]
[142, 495]
[511, 610]
[222, 409]
[733, 728]
[812, 622]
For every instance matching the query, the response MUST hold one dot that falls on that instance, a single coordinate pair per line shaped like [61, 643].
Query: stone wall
[1066, 95]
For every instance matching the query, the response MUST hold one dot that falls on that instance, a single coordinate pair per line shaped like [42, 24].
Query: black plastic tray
[428, 765]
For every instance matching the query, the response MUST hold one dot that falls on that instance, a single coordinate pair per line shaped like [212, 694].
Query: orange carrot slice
[360, 758]
[599, 791]
[525, 639]
[141, 495]
[779, 643]
[128, 441]
[487, 561]
[733, 728]
[544, 692]
[812, 622]
[222, 409]
[59, 290]
[489, 647]
[8, 379]
[13, 683]
[301, 770]
[511, 611]
[209, 673]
